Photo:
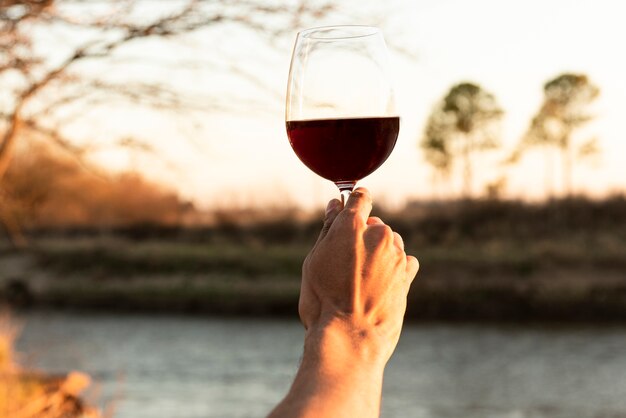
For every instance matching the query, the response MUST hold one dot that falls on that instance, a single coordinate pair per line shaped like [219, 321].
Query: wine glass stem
[345, 194]
[345, 188]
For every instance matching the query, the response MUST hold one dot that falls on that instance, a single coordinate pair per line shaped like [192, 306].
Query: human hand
[352, 301]
[355, 282]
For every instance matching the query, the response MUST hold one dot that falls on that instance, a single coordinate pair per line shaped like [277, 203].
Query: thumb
[332, 210]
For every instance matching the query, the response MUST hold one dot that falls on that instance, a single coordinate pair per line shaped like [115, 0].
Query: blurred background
[154, 219]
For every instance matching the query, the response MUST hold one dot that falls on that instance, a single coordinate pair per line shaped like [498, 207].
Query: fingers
[398, 241]
[397, 238]
[332, 210]
[360, 203]
[412, 267]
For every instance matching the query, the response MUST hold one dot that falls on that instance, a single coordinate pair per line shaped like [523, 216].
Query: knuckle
[361, 196]
[362, 191]
[351, 212]
[379, 234]
[387, 232]
[397, 239]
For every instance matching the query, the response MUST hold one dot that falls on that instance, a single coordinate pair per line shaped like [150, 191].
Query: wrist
[340, 375]
[339, 345]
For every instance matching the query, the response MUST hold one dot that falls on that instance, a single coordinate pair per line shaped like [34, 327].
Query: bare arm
[352, 302]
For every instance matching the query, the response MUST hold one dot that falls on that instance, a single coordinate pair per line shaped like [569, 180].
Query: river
[176, 366]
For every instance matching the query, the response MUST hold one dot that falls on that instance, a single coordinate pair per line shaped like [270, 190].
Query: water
[156, 366]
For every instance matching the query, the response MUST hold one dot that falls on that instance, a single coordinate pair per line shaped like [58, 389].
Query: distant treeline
[49, 193]
[420, 223]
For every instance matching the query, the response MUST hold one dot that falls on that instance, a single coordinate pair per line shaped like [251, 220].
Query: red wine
[343, 150]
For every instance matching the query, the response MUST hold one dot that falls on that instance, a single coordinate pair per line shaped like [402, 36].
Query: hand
[355, 282]
[354, 286]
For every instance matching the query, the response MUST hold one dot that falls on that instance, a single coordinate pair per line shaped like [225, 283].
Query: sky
[237, 153]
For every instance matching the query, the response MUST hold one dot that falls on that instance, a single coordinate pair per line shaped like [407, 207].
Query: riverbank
[555, 282]
[483, 260]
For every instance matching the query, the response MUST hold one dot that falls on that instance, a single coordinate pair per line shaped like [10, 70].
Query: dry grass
[45, 189]
[8, 334]
[27, 394]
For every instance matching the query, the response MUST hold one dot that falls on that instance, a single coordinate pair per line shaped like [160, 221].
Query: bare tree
[460, 125]
[564, 110]
[40, 88]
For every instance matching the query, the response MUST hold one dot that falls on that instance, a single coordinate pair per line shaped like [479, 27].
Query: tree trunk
[439, 183]
[550, 180]
[8, 143]
[7, 220]
[567, 170]
[12, 230]
[467, 171]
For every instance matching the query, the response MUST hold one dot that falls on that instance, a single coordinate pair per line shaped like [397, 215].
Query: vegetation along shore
[480, 260]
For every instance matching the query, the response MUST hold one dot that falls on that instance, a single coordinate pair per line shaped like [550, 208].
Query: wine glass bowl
[340, 114]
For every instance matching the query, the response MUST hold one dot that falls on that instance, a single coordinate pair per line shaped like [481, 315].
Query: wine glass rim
[360, 31]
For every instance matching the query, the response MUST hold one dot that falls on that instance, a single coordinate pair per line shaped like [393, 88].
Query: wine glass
[341, 116]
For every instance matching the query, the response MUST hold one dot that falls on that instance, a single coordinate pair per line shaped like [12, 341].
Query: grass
[495, 278]
[28, 394]
[127, 258]
[8, 335]
[479, 259]
[124, 258]
[206, 294]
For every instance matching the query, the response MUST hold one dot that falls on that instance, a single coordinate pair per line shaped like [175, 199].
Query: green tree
[462, 124]
[564, 110]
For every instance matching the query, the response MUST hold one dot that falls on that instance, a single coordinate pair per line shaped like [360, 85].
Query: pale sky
[242, 155]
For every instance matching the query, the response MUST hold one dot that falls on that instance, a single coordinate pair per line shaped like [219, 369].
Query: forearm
[339, 377]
